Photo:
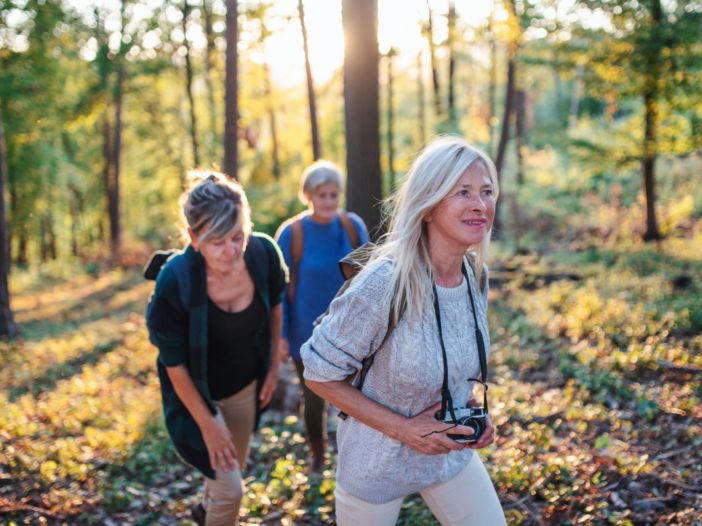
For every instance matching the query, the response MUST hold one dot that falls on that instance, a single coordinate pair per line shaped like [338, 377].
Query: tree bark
[361, 55]
[48, 241]
[452, 60]
[231, 124]
[520, 132]
[74, 209]
[434, 69]
[651, 122]
[113, 173]
[7, 323]
[189, 84]
[316, 148]
[22, 260]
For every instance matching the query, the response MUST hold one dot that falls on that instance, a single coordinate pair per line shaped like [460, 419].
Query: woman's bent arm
[422, 432]
[217, 437]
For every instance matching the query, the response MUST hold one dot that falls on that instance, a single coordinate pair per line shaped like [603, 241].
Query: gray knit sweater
[406, 377]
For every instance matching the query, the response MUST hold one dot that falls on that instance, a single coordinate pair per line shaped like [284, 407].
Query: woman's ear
[193, 239]
[427, 218]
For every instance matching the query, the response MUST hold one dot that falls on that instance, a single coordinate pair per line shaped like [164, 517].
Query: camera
[475, 417]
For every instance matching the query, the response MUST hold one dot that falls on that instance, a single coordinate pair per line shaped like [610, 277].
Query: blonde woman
[312, 244]
[392, 444]
[216, 318]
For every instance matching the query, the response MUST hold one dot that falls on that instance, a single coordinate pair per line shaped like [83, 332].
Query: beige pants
[222, 496]
[468, 499]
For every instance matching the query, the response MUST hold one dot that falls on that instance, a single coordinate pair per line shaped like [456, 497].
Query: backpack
[297, 242]
[349, 267]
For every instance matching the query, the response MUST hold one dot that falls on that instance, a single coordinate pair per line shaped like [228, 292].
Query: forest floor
[596, 373]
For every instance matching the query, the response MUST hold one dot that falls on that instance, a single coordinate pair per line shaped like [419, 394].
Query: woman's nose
[478, 205]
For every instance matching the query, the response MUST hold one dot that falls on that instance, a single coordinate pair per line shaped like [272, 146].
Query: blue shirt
[318, 276]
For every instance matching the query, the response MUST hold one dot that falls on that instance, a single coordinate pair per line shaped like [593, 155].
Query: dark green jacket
[180, 333]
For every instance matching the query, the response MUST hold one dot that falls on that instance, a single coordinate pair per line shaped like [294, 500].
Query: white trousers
[468, 499]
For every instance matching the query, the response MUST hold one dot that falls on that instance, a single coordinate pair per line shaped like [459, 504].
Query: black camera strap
[446, 400]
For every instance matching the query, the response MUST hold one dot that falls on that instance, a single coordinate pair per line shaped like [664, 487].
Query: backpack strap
[297, 243]
[259, 255]
[349, 227]
[181, 270]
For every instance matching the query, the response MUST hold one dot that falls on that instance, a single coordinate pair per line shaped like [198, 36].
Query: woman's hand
[488, 436]
[219, 444]
[284, 352]
[426, 434]
[270, 384]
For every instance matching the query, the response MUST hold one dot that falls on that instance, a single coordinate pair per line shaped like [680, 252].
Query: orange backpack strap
[349, 227]
[297, 243]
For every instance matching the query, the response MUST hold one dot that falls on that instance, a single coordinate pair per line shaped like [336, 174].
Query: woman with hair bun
[428, 281]
[216, 318]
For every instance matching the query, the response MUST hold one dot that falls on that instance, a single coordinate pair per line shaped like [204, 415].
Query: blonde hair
[318, 173]
[429, 180]
[211, 205]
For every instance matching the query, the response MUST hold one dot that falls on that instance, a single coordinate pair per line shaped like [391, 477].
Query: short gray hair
[211, 206]
[319, 172]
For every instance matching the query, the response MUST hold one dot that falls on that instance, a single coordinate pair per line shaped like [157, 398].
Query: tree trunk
[520, 132]
[391, 150]
[7, 323]
[209, 52]
[22, 260]
[108, 169]
[113, 174]
[493, 88]
[360, 22]
[432, 56]
[651, 122]
[231, 113]
[575, 101]
[74, 209]
[452, 60]
[504, 138]
[509, 105]
[189, 84]
[648, 168]
[271, 114]
[559, 97]
[316, 150]
[420, 100]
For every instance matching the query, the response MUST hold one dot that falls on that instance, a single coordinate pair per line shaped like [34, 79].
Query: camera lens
[477, 424]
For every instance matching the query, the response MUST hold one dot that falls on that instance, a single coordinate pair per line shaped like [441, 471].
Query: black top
[232, 359]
